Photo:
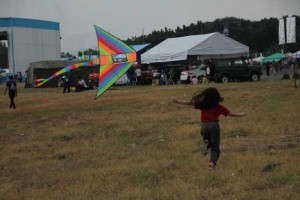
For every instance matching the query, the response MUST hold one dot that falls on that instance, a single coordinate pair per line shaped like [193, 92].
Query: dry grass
[133, 143]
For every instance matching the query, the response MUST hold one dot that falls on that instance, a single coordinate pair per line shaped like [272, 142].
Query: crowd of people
[159, 76]
[65, 83]
[274, 67]
[153, 76]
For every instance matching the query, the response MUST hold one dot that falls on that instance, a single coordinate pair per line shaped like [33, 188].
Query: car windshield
[229, 63]
[238, 62]
[193, 67]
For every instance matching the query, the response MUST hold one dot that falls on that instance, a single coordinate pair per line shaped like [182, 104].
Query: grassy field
[133, 143]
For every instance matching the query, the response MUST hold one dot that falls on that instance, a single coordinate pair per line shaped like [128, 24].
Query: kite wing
[110, 72]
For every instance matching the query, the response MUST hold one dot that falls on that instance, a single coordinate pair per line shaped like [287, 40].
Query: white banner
[281, 33]
[291, 30]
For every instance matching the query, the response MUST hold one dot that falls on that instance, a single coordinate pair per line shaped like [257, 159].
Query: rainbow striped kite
[110, 71]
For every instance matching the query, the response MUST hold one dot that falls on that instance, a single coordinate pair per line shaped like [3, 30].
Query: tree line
[261, 36]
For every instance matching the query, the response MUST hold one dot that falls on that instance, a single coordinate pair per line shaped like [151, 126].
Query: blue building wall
[28, 23]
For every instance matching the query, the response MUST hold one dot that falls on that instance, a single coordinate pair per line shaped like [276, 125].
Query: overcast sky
[128, 18]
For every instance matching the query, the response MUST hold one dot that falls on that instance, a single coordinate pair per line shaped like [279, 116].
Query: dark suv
[235, 70]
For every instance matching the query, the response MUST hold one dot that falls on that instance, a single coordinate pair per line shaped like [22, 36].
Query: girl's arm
[183, 102]
[240, 114]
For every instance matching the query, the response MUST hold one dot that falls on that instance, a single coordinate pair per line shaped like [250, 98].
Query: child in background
[81, 85]
[208, 101]
[194, 80]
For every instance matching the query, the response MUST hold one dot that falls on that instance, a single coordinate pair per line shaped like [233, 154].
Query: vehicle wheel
[224, 79]
[255, 77]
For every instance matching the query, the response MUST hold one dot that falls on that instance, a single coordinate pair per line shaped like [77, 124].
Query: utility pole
[142, 35]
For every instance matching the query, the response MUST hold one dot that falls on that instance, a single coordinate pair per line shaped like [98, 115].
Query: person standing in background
[67, 82]
[19, 77]
[194, 80]
[11, 86]
[268, 68]
[138, 73]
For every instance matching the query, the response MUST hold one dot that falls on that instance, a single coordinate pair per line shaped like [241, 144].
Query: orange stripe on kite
[131, 57]
[105, 60]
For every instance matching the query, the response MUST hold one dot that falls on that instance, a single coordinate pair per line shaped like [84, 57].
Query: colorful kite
[110, 71]
[110, 46]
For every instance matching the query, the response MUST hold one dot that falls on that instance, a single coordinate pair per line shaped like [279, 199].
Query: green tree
[261, 36]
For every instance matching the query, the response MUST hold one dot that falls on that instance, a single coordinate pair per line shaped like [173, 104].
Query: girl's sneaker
[211, 165]
[204, 149]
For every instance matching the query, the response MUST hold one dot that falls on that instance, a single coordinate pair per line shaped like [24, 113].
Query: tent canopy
[212, 45]
[295, 55]
[274, 57]
[257, 59]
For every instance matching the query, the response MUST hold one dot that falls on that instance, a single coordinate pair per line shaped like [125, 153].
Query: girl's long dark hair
[207, 99]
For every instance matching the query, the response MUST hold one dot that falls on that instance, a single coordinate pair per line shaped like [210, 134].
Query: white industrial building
[29, 40]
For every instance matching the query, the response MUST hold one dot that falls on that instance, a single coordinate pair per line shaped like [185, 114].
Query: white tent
[213, 45]
[296, 54]
[257, 59]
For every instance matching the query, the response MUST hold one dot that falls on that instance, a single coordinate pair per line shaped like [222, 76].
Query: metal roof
[139, 47]
[28, 23]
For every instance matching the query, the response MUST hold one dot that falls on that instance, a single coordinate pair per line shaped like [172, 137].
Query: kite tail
[66, 69]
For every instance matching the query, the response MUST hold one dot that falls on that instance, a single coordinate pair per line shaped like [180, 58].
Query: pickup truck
[228, 70]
